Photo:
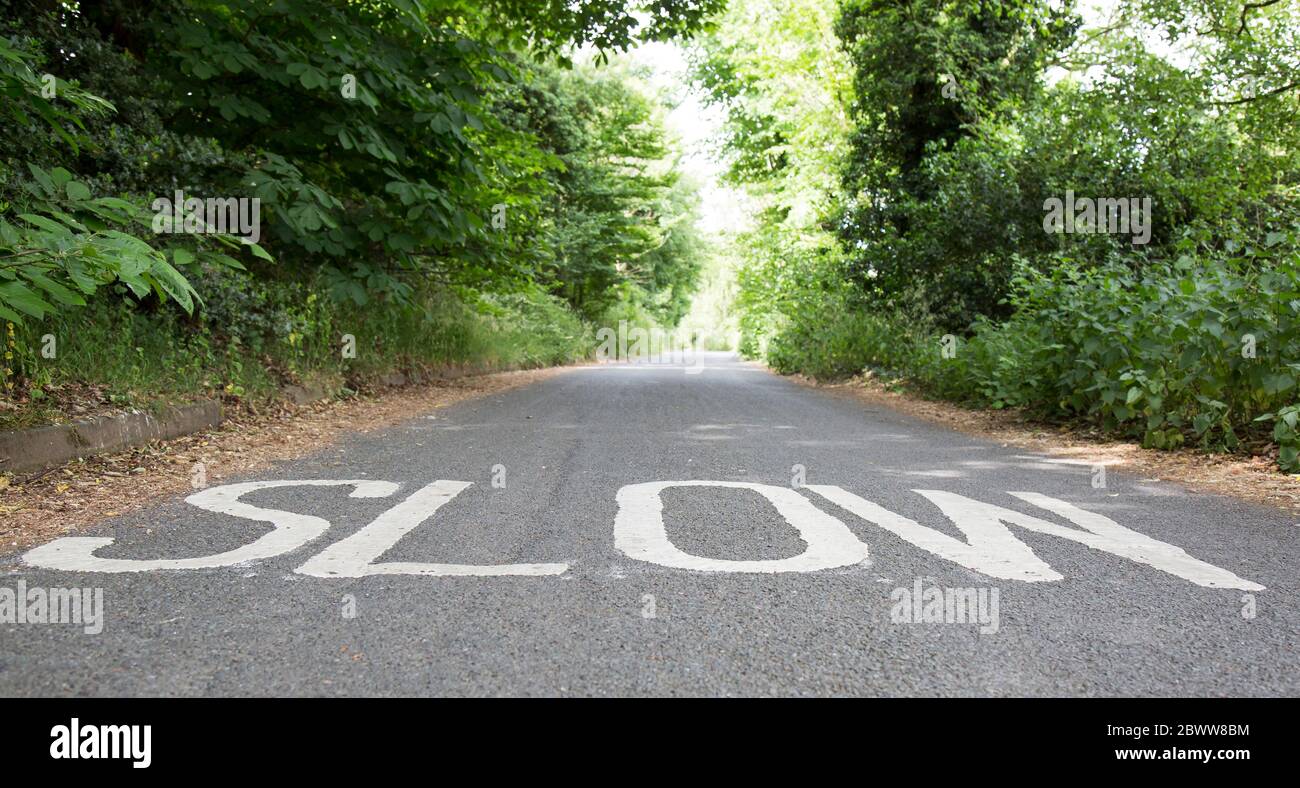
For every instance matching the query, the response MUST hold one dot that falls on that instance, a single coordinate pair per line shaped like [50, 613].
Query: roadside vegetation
[905, 155]
[438, 182]
[1087, 211]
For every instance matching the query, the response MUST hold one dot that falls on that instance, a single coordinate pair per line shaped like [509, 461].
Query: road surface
[526, 543]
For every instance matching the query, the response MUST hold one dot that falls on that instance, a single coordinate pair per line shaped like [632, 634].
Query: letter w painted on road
[994, 551]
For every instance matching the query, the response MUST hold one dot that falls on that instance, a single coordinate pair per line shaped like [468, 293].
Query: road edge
[1251, 479]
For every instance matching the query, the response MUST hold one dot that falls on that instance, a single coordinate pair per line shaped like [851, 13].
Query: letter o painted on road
[639, 531]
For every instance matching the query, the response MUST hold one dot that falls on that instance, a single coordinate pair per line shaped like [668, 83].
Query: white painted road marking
[356, 555]
[290, 531]
[1104, 533]
[994, 551]
[640, 533]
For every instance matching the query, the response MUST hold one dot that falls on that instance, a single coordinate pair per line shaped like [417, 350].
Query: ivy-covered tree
[929, 74]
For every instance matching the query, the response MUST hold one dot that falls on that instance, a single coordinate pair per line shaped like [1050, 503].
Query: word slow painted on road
[990, 547]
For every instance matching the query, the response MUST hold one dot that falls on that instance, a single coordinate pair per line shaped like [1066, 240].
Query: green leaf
[175, 285]
[1278, 382]
[19, 297]
[48, 225]
[1288, 457]
[60, 293]
[43, 178]
[9, 314]
[77, 190]
[258, 251]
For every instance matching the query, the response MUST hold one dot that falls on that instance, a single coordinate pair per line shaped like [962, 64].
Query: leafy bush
[1204, 349]
[62, 243]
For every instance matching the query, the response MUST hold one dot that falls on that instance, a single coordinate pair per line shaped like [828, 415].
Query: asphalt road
[694, 609]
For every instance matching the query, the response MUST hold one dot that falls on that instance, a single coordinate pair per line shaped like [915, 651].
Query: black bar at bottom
[332, 737]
